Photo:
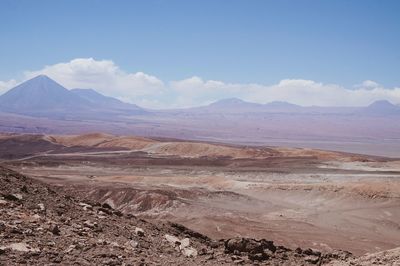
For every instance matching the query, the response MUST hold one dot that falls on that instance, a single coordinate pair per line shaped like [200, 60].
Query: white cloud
[368, 84]
[149, 91]
[307, 92]
[102, 75]
[195, 91]
[298, 91]
[6, 85]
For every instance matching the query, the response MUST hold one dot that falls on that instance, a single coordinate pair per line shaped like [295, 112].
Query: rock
[258, 256]
[312, 259]
[145, 245]
[89, 224]
[85, 206]
[2, 250]
[105, 205]
[269, 245]
[57, 259]
[257, 250]
[16, 230]
[214, 244]
[118, 213]
[24, 189]
[105, 210]
[173, 240]
[312, 252]
[239, 261]
[189, 252]
[59, 212]
[133, 244]
[41, 207]
[23, 247]
[13, 197]
[338, 255]
[139, 231]
[184, 243]
[248, 245]
[234, 244]
[2, 226]
[35, 217]
[28, 232]
[70, 248]
[55, 230]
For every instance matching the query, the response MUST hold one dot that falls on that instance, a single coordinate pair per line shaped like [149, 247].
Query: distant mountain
[99, 99]
[236, 105]
[233, 103]
[281, 106]
[381, 107]
[41, 94]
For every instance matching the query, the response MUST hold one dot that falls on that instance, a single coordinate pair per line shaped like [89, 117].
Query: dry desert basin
[296, 197]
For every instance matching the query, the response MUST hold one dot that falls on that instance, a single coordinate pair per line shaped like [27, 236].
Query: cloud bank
[149, 91]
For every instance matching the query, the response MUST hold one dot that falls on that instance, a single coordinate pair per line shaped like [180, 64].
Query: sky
[180, 53]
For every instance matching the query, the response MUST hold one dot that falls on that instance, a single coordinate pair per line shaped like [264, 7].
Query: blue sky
[238, 42]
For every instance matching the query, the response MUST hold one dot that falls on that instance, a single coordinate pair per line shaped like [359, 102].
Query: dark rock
[248, 245]
[312, 259]
[2, 226]
[139, 231]
[118, 213]
[13, 197]
[311, 252]
[2, 250]
[55, 230]
[298, 250]
[16, 231]
[106, 211]
[24, 189]
[105, 205]
[214, 244]
[130, 216]
[258, 256]
[338, 255]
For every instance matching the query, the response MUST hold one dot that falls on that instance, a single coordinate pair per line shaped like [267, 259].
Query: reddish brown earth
[295, 197]
[42, 225]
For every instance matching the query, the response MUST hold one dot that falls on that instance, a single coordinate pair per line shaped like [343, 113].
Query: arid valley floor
[295, 197]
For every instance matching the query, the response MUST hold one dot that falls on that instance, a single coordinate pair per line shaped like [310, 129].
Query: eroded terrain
[295, 197]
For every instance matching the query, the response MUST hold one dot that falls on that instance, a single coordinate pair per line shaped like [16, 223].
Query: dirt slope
[41, 224]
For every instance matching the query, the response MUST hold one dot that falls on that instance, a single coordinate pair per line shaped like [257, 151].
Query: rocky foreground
[43, 225]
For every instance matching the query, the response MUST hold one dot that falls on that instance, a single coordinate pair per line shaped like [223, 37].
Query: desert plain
[312, 198]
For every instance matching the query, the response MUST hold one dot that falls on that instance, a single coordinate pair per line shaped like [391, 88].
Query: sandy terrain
[296, 197]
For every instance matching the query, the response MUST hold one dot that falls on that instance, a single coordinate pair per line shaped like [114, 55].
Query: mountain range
[42, 96]
[41, 105]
